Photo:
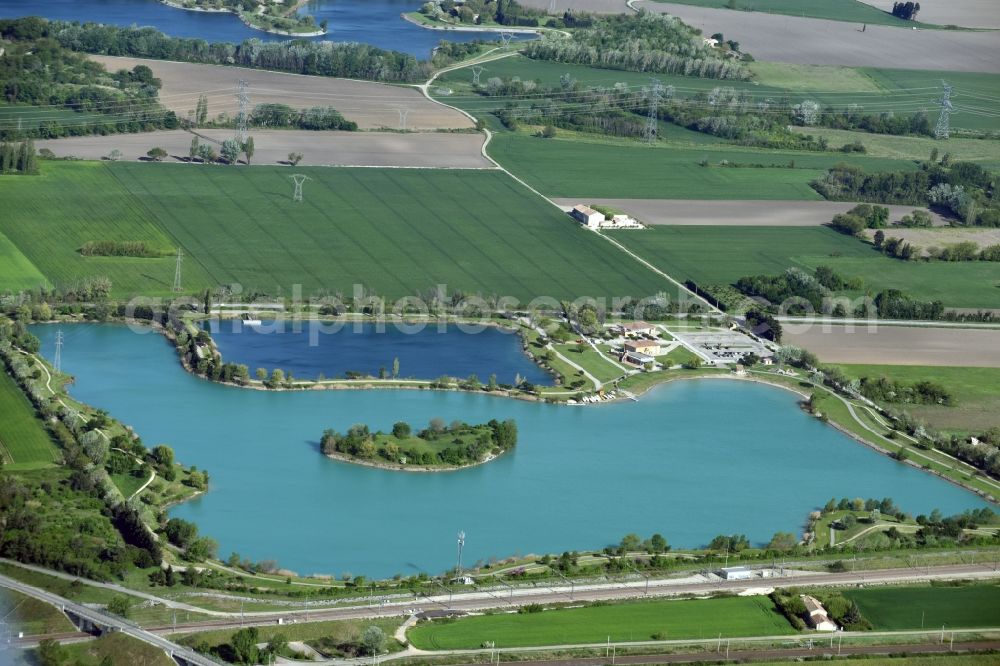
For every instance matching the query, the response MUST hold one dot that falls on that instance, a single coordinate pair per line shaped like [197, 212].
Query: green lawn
[901, 608]
[594, 362]
[637, 621]
[398, 231]
[24, 444]
[837, 10]
[722, 255]
[33, 617]
[576, 167]
[17, 273]
[976, 392]
[984, 151]
[51, 215]
[120, 649]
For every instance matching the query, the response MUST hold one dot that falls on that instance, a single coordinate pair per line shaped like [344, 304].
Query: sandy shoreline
[396, 467]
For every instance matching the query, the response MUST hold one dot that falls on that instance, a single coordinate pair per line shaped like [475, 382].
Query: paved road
[108, 621]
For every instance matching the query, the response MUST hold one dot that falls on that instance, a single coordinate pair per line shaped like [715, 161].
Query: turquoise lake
[690, 460]
[424, 351]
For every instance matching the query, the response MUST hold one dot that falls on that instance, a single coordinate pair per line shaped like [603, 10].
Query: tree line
[18, 158]
[321, 58]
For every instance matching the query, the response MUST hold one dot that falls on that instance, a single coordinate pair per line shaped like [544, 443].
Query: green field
[17, 273]
[671, 619]
[898, 609]
[13, 117]
[984, 151]
[593, 362]
[722, 255]
[51, 215]
[24, 444]
[976, 392]
[397, 231]
[576, 167]
[837, 10]
[33, 617]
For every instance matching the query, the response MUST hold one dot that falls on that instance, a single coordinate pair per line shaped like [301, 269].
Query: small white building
[587, 216]
[736, 573]
[709, 42]
[637, 358]
[817, 616]
[636, 328]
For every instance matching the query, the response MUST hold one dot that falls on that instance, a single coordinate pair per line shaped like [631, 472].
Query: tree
[277, 644]
[119, 605]
[156, 154]
[373, 639]
[879, 238]
[50, 653]
[244, 644]
[207, 153]
[549, 131]
[261, 374]
[782, 542]
[629, 543]
[401, 430]
[231, 150]
[295, 158]
[658, 544]
[115, 155]
[395, 367]
[248, 149]
[195, 148]
[180, 532]
[163, 455]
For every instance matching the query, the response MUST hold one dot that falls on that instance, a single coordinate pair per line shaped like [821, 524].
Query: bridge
[98, 622]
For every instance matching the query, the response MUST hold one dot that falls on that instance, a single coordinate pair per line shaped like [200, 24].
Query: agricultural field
[427, 149]
[17, 273]
[813, 41]
[670, 619]
[966, 13]
[23, 116]
[741, 251]
[398, 232]
[976, 393]
[836, 10]
[737, 212]
[371, 105]
[586, 168]
[24, 444]
[902, 608]
[53, 214]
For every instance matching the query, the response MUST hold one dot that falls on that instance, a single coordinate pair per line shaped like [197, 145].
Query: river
[691, 460]
[375, 22]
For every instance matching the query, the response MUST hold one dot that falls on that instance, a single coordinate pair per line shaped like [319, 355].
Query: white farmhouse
[818, 618]
[587, 216]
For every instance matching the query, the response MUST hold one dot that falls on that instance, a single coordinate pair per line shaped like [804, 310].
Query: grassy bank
[24, 444]
[976, 393]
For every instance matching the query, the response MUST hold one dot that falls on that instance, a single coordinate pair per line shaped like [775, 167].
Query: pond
[375, 22]
[424, 351]
[690, 460]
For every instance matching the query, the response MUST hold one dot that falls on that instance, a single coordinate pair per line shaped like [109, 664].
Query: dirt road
[371, 105]
[695, 212]
[377, 149]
